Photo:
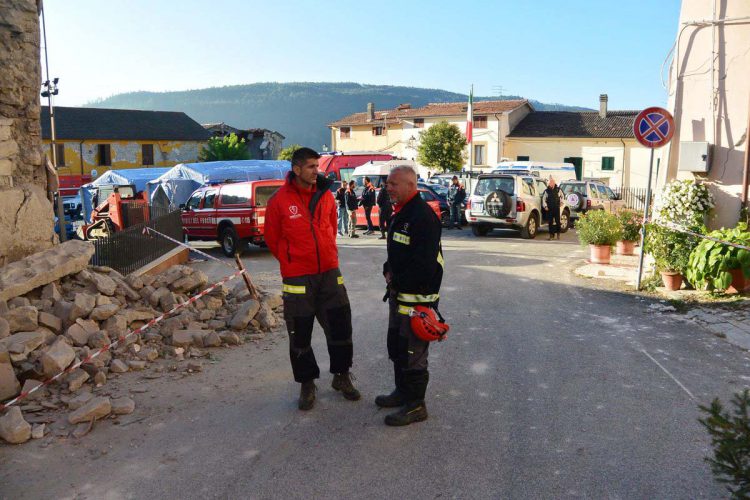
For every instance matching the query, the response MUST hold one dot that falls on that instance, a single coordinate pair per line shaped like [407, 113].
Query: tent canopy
[139, 177]
[181, 180]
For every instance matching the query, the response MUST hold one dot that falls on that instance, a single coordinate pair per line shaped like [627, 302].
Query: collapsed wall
[26, 217]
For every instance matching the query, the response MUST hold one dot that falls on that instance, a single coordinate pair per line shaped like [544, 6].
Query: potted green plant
[599, 230]
[671, 252]
[717, 267]
[631, 230]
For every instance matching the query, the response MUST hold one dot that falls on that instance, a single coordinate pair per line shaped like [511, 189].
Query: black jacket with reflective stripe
[415, 257]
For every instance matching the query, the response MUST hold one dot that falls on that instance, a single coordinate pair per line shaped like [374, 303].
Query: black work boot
[392, 400]
[343, 382]
[412, 412]
[307, 396]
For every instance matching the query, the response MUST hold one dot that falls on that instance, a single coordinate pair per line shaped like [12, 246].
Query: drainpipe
[746, 172]
[622, 180]
[499, 127]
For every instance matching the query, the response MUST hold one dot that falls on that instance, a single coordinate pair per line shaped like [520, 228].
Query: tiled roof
[617, 124]
[431, 110]
[122, 125]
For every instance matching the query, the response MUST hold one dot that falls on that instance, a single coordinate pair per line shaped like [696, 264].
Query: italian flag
[470, 116]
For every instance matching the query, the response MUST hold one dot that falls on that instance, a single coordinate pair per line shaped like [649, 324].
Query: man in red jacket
[301, 233]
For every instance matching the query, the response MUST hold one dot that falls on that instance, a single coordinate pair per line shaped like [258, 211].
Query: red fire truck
[340, 166]
[232, 214]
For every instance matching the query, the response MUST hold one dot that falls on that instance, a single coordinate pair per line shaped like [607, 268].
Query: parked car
[582, 196]
[232, 214]
[510, 201]
[426, 195]
[441, 193]
[340, 166]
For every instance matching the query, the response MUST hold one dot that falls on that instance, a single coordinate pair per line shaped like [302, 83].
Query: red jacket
[301, 239]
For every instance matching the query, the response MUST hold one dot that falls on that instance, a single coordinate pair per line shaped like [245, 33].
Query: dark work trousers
[368, 211]
[321, 296]
[408, 354]
[553, 215]
[385, 217]
[455, 213]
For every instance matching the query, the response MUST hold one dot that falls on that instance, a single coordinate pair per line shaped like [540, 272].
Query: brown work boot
[307, 396]
[343, 382]
[412, 412]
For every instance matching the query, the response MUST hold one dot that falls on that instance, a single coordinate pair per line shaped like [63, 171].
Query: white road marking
[670, 375]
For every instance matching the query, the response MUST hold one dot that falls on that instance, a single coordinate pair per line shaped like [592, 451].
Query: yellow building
[90, 141]
[601, 145]
[397, 130]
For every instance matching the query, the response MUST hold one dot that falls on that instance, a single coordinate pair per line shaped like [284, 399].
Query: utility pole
[50, 90]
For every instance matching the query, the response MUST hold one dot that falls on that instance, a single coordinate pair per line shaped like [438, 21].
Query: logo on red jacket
[294, 210]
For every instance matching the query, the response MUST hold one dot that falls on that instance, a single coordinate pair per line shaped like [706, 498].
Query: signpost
[653, 128]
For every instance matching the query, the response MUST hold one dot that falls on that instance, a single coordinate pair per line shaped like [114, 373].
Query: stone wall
[26, 217]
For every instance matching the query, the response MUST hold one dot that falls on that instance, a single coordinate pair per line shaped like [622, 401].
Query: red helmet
[426, 325]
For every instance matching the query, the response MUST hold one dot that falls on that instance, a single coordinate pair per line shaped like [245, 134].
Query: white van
[378, 172]
[541, 169]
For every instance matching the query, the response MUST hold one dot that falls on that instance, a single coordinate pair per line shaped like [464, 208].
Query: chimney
[603, 106]
[370, 111]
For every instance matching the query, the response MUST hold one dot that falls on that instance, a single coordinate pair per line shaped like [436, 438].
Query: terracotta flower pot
[625, 247]
[672, 280]
[600, 254]
[739, 283]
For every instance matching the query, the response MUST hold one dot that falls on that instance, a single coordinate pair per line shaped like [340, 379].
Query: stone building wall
[26, 217]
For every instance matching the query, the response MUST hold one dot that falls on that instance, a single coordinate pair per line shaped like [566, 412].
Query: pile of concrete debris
[55, 310]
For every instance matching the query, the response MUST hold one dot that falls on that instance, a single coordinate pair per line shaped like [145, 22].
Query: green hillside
[300, 111]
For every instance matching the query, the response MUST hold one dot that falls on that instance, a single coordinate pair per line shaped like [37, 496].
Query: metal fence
[131, 249]
[634, 198]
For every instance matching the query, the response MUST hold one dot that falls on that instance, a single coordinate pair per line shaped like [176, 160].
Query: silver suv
[582, 196]
[509, 201]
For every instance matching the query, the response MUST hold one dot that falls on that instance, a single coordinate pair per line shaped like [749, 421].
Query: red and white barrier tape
[675, 227]
[182, 243]
[121, 338]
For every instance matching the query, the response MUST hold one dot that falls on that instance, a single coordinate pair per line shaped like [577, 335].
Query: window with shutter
[480, 122]
[104, 156]
[418, 122]
[608, 162]
[147, 154]
[346, 133]
[60, 155]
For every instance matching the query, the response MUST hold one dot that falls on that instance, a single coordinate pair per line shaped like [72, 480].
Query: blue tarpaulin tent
[136, 176]
[181, 180]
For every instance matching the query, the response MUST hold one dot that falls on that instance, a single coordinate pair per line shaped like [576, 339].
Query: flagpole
[471, 139]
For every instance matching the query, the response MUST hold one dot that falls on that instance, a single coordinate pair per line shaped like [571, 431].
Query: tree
[224, 148]
[287, 152]
[442, 147]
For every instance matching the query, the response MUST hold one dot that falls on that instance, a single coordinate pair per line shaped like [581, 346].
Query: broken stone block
[30, 341]
[104, 312]
[168, 301]
[100, 379]
[77, 401]
[13, 428]
[138, 315]
[190, 283]
[78, 335]
[37, 431]
[118, 366]
[213, 303]
[98, 339]
[18, 302]
[123, 289]
[230, 338]
[117, 325]
[83, 304]
[9, 384]
[63, 309]
[102, 300]
[266, 317]
[29, 385]
[97, 408]
[76, 379]
[186, 338]
[51, 292]
[104, 284]
[137, 364]
[212, 340]
[155, 298]
[206, 314]
[123, 406]
[57, 358]
[274, 300]
[50, 321]
[148, 353]
[135, 282]
[216, 324]
[244, 314]
[23, 319]
[4, 328]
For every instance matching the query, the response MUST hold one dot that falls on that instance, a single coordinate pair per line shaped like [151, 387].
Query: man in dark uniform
[551, 202]
[413, 273]
[386, 210]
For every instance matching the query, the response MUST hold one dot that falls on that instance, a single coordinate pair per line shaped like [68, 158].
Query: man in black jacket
[413, 273]
[343, 213]
[455, 198]
[386, 210]
[368, 201]
[350, 198]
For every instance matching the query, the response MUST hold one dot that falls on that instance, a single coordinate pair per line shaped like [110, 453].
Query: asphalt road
[548, 387]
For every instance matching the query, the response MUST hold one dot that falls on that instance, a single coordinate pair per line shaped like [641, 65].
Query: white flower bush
[683, 202]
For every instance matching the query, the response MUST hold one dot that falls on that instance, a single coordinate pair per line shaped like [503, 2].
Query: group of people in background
[348, 203]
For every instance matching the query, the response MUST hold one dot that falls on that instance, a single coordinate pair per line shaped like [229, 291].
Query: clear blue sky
[551, 50]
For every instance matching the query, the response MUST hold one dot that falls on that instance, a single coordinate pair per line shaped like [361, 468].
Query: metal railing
[128, 250]
[634, 198]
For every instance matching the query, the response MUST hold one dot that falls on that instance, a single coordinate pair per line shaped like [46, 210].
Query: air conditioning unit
[694, 157]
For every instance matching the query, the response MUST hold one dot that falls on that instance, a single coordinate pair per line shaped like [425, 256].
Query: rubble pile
[54, 325]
